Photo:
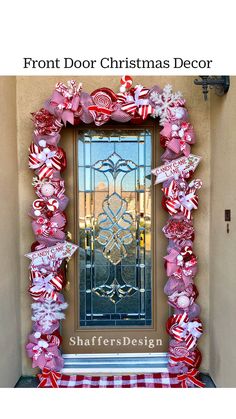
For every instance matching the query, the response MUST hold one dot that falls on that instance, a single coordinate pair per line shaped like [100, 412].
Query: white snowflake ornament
[168, 105]
[47, 315]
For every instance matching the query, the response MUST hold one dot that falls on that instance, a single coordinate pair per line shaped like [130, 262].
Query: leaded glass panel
[114, 227]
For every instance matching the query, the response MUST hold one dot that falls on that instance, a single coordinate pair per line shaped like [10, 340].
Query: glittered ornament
[183, 301]
[47, 189]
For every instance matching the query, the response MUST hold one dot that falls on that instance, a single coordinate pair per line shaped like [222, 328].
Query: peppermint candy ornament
[103, 106]
[53, 204]
[40, 206]
[46, 188]
[126, 83]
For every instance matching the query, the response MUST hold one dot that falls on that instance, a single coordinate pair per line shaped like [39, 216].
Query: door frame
[68, 140]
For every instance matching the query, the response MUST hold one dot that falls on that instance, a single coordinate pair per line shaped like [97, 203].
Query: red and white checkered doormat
[161, 380]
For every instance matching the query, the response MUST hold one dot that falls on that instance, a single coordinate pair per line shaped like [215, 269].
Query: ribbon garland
[66, 105]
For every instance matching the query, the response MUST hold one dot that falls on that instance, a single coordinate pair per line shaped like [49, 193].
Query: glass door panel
[114, 210]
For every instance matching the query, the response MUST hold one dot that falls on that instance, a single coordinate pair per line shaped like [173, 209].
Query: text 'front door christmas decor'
[70, 105]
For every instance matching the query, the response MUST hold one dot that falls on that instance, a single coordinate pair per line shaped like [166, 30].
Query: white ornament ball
[122, 89]
[43, 344]
[42, 143]
[183, 301]
[47, 189]
[37, 213]
[37, 335]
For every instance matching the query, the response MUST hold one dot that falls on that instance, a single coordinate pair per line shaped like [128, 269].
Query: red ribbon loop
[185, 359]
[50, 375]
[190, 376]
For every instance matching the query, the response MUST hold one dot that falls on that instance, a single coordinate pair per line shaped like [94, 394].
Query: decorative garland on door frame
[70, 105]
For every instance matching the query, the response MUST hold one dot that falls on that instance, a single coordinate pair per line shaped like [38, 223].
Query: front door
[115, 281]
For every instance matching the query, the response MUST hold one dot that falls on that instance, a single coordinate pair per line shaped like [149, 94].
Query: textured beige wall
[222, 245]
[10, 349]
[31, 93]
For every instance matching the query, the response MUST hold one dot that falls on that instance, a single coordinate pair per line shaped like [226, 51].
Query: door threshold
[117, 363]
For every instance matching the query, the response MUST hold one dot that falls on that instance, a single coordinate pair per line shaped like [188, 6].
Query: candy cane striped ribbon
[190, 376]
[46, 168]
[184, 330]
[42, 285]
[136, 102]
[51, 376]
[171, 190]
[185, 359]
[180, 322]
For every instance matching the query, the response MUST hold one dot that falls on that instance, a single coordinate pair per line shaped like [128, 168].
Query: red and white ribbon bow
[45, 285]
[184, 330]
[66, 100]
[44, 159]
[190, 376]
[182, 200]
[135, 101]
[49, 376]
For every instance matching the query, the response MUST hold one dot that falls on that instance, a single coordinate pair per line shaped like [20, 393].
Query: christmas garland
[70, 105]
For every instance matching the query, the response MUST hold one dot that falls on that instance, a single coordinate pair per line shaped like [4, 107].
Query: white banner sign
[175, 167]
[58, 252]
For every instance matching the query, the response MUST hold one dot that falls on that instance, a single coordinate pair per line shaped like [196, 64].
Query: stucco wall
[31, 94]
[222, 244]
[10, 349]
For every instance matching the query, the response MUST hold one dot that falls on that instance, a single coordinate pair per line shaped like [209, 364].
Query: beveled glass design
[115, 222]
[114, 227]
